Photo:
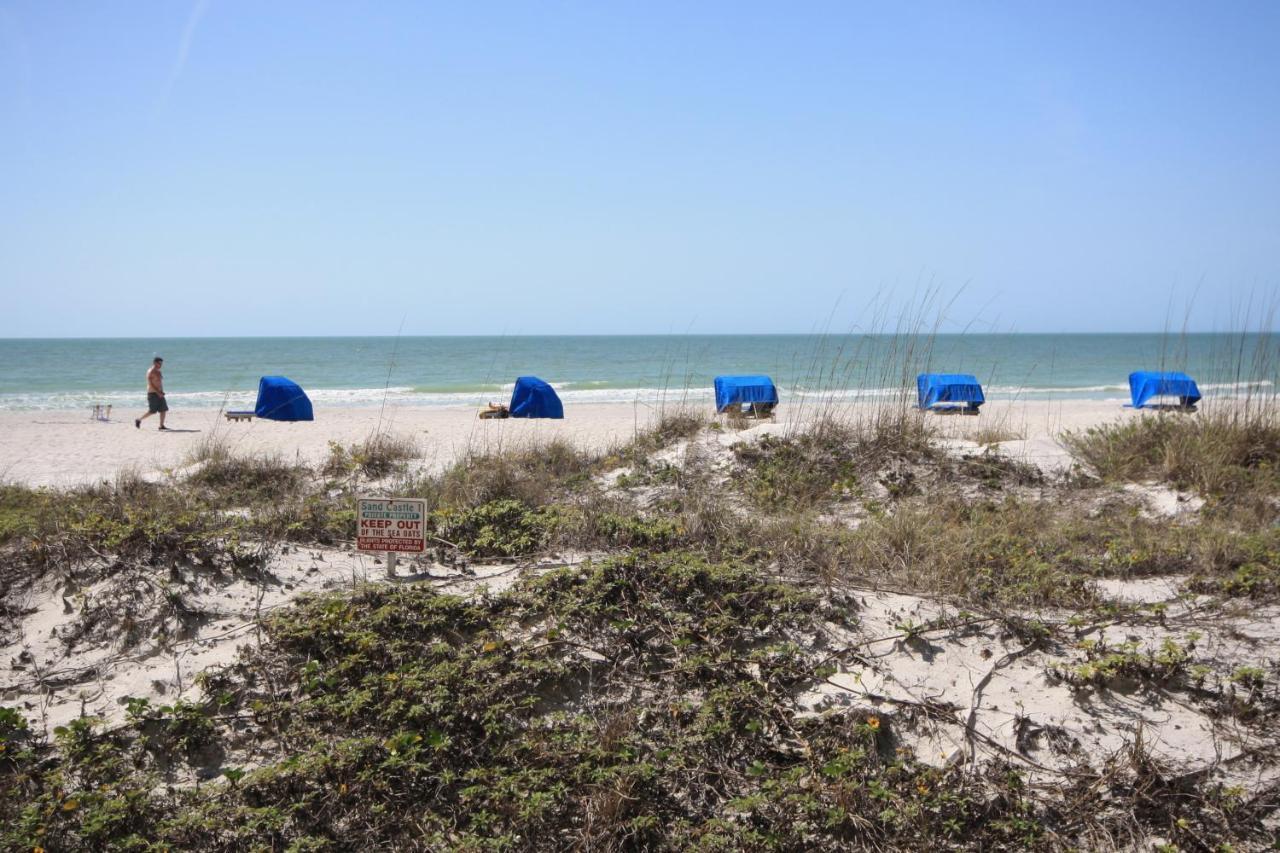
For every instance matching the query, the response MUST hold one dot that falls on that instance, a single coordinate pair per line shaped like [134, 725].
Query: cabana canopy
[949, 388]
[736, 390]
[533, 398]
[281, 399]
[1145, 384]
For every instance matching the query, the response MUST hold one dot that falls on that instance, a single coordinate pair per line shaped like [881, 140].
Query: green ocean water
[431, 371]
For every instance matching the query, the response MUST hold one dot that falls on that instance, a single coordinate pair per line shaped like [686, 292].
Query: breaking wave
[571, 393]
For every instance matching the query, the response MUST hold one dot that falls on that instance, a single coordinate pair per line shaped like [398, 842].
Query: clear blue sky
[236, 167]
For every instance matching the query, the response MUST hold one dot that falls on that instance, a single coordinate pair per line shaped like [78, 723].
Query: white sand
[999, 685]
[67, 448]
[62, 448]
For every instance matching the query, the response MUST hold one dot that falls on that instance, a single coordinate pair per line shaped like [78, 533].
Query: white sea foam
[408, 395]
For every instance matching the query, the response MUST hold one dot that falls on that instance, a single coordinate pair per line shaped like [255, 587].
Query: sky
[228, 167]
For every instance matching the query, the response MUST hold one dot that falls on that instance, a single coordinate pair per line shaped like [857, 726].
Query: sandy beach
[63, 448]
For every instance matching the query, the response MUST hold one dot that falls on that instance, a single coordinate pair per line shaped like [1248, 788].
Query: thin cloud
[184, 49]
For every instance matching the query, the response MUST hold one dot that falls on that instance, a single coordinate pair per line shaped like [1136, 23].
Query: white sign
[391, 524]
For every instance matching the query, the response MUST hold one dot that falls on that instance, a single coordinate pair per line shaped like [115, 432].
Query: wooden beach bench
[239, 416]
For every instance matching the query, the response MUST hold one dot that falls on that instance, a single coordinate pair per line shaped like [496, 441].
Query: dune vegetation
[852, 635]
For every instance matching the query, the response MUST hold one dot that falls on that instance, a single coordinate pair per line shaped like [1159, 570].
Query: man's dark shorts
[156, 403]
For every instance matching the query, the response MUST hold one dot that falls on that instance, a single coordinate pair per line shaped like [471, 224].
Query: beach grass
[1230, 452]
[996, 434]
[375, 458]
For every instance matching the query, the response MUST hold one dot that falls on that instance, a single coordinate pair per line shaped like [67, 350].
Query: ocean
[433, 371]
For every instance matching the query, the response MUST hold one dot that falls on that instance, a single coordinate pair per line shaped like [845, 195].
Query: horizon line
[1168, 333]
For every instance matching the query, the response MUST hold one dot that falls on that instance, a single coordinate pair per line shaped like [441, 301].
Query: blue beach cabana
[941, 391]
[1147, 384]
[758, 393]
[279, 399]
[534, 398]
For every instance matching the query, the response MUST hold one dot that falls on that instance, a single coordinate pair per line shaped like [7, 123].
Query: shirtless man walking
[155, 395]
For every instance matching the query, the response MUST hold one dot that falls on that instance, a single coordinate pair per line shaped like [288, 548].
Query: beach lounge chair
[949, 393]
[748, 396]
[279, 399]
[1146, 385]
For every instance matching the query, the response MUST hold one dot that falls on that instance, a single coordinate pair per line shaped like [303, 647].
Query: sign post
[391, 526]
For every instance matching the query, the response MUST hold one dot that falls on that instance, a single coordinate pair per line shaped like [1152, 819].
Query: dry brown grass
[670, 427]
[244, 477]
[375, 458]
[1227, 453]
[534, 475]
[811, 466]
[988, 435]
